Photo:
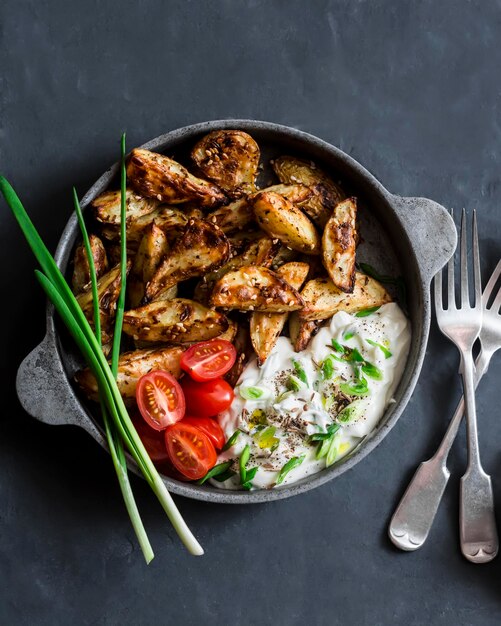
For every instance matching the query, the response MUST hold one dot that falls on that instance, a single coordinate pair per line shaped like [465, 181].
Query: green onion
[294, 384]
[301, 374]
[331, 430]
[217, 470]
[327, 369]
[244, 459]
[331, 455]
[266, 439]
[384, 350]
[323, 448]
[388, 280]
[367, 312]
[356, 388]
[231, 441]
[252, 393]
[222, 477]
[289, 466]
[65, 303]
[349, 335]
[372, 371]
[350, 412]
[114, 442]
[337, 346]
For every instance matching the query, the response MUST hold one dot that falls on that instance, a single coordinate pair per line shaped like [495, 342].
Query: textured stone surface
[411, 91]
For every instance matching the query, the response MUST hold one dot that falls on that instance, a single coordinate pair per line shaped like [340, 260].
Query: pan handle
[432, 232]
[43, 390]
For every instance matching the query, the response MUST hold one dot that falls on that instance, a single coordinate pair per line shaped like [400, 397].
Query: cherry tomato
[208, 398]
[160, 399]
[210, 427]
[153, 440]
[209, 359]
[190, 450]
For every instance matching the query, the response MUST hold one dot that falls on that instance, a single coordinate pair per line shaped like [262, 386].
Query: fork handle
[412, 520]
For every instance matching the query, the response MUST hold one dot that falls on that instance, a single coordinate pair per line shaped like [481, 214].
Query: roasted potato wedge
[201, 248]
[302, 331]
[265, 328]
[284, 255]
[174, 321]
[108, 290]
[156, 176]
[244, 350]
[239, 242]
[81, 270]
[230, 159]
[233, 217]
[323, 299]
[283, 220]
[325, 193]
[170, 220]
[152, 249]
[253, 288]
[339, 243]
[259, 252]
[107, 207]
[133, 365]
[297, 194]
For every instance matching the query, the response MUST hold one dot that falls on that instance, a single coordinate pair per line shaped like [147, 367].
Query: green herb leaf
[251, 474]
[301, 374]
[384, 350]
[253, 393]
[222, 477]
[289, 466]
[356, 388]
[231, 441]
[217, 470]
[367, 312]
[244, 459]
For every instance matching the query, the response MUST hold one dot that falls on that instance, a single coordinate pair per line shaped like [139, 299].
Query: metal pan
[412, 237]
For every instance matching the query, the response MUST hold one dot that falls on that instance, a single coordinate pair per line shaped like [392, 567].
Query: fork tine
[465, 301]
[476, 263]
[491, 284]
[451, 289]
[497, 302]
[438, 291]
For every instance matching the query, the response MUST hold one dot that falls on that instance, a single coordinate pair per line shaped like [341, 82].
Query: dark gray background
[411, 89]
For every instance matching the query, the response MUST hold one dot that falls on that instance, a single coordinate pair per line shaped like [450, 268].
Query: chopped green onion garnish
[253, 393]
[289, 466]
[384, 350]
[244, 459]
[367, 312]
[301, 374]
[222, 477]
[327, 369]
[266, 439]
[349, 335]
[231, 441]
[331, 455]
[356, 388]
[350, 412]
[370, 370]
[294, 384]
[217, 470]
[337, 346]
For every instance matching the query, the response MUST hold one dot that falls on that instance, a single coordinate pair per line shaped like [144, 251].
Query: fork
[412, 520]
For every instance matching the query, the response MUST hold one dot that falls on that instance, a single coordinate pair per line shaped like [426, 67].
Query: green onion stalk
[89, 344]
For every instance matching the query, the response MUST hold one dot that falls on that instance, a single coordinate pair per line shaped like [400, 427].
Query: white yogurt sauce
[277, 426]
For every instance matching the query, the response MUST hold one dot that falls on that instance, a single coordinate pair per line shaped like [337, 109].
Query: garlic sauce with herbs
[301, 412]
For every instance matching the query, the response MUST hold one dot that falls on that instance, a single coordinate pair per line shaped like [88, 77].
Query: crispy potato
[339, 245]
[233, 217]
[253, 288]
[325, 193]
[323, 299]
[156, 176]
[259, 252]
[302, 331]
[106, 207]
[239, 242]
[282, 220]
[108, 290]
[153, 247]
[174, 321]
[133, 365]
[297, 194]
[265, 328]
[201, 248]
[230, 159]
[81, 270]
[244, 350]
[284, 255]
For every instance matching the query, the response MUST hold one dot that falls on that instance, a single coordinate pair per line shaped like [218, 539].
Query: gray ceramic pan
[411, 237]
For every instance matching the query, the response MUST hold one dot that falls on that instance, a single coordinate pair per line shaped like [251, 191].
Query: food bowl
[409, 237]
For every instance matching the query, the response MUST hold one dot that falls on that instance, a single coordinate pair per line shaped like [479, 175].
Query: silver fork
[412, 520]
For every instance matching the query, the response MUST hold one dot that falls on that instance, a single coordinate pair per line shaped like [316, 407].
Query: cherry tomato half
[210, 427]
[209, 359]
[160, 399]
[153, 440]
[190, 450]
[208, 398]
